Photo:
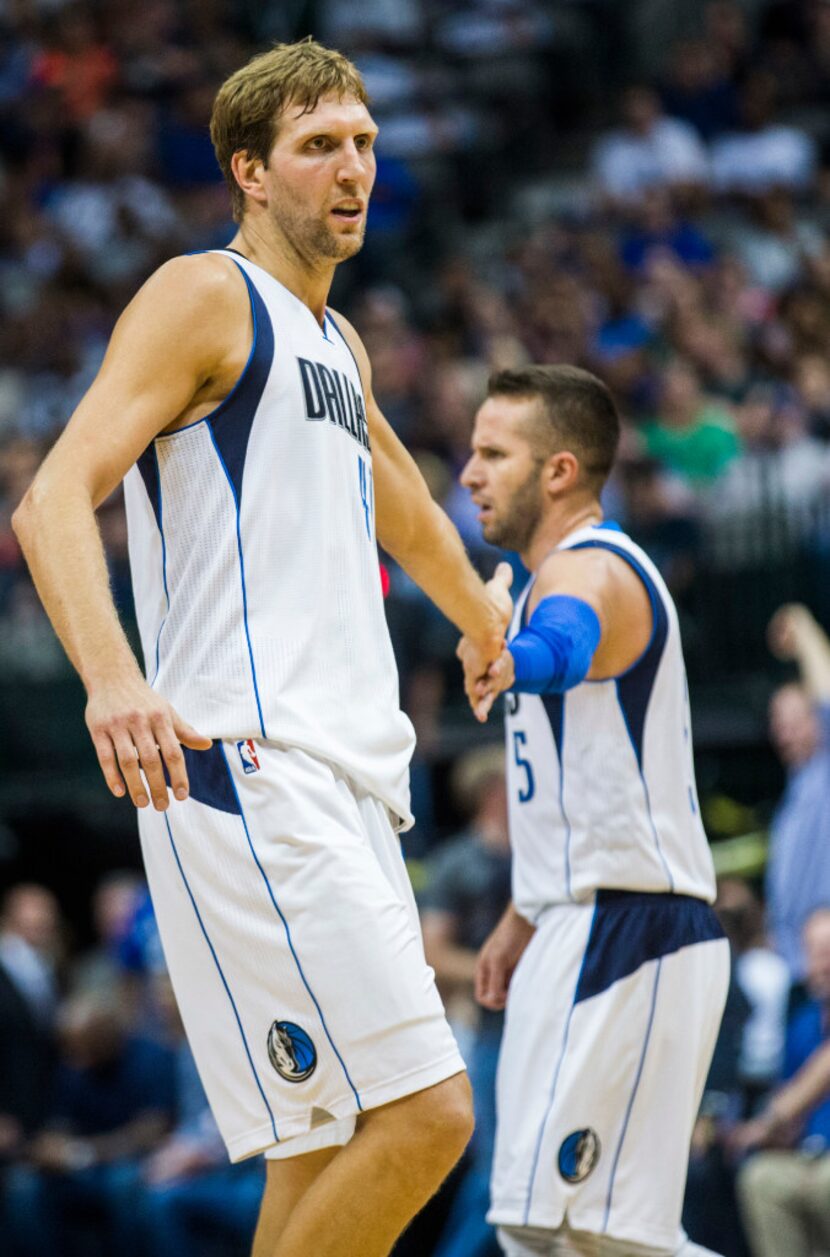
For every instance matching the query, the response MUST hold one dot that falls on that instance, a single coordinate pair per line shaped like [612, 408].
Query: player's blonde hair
[248, 105]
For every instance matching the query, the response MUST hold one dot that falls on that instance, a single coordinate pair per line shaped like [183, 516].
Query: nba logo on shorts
[248, 755]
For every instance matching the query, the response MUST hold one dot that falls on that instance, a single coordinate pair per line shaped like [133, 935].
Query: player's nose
[470, 477]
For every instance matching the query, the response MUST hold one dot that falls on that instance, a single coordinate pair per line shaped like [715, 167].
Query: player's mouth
[348, 211]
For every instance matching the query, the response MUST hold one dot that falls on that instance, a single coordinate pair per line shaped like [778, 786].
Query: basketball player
[258, 471]
[610, 960]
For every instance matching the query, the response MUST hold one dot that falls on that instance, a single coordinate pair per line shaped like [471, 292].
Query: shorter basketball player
[610, 961]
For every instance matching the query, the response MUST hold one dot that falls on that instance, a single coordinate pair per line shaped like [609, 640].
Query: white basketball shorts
[612, 1017]
[293, 944]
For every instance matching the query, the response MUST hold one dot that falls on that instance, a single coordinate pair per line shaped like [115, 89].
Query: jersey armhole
[659, 619]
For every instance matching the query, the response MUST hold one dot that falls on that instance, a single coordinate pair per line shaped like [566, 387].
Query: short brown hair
[248, 105]
[578, 413]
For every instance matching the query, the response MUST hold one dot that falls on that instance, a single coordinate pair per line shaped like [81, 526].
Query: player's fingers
[109, 766]
[150, 761]
[504, 575]
[483, 708]
[191, 737]
[172, 758]
[128, 763]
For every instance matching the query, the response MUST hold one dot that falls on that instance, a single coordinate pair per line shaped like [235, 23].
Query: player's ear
[249, 173]
[561, 472]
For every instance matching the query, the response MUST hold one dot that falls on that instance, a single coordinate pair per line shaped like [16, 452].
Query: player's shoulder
[197, 279]
[563, 567]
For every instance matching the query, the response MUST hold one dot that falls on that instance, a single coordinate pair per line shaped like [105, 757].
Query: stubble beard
[514, 529]
[313, 239]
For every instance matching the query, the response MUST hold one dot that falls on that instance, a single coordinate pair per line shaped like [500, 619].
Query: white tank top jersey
[254, 562]
[601, 779]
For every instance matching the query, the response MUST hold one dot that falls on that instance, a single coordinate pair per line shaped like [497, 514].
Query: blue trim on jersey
[632, 927]
[160, 518]
[636, 684]
[223, 978]
[244, 586]
[233, 418]
[633, 1097]
[230, 427]
[539, 1138]
[554, 705]
[147, 464]
[278, 911]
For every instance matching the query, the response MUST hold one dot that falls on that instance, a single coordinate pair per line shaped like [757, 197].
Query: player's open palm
[137, 734]
[498, 958]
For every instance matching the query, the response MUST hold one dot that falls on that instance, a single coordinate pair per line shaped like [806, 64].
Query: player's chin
[348, 246]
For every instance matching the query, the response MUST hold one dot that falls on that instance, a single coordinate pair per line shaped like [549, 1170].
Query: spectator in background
[466, 891]
[693, 435]
[785, 1190]
[764, 980]
[747, 1062]
[775, 246]
[699, 89]
[189, 1188]
[798, 872]
[115, 902]
[114, 1099]
[27, 943]
[31, 947]
[764, 153]
[649, 150]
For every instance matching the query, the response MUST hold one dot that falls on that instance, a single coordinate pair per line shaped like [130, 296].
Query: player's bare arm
[157, 375]
[418, 534]
[569, 586]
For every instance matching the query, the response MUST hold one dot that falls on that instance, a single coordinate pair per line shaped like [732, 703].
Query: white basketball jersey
[254, 561]
[601, 779]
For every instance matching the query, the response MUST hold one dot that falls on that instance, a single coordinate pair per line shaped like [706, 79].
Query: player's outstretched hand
[135, 731]
[498, 959]
[788, 629]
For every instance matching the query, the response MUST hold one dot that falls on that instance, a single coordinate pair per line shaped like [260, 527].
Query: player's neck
[559, 523]
[309, 284]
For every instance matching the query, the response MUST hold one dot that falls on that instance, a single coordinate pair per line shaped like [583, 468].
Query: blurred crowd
[639, 187]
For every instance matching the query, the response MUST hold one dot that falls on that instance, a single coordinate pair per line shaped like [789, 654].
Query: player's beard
[513, 527]
[312, 238]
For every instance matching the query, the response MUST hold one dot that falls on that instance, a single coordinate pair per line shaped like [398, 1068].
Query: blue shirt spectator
[798, 873]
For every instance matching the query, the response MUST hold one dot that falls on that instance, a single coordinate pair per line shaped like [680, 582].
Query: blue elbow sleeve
[555, 650]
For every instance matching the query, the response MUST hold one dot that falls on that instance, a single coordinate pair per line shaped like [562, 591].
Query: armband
[554, 651]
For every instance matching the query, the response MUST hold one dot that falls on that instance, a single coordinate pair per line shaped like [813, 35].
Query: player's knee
[451, 1113]
[436, 1125]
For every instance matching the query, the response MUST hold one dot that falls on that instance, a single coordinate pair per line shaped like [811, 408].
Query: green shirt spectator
[692, 436]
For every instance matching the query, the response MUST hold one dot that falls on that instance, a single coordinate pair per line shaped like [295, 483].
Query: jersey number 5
[519, 742]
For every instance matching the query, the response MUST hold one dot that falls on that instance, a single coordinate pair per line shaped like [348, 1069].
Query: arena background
[637, 186]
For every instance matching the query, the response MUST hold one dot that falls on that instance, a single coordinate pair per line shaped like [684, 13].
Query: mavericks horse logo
[291, 1051]
[578, 1155]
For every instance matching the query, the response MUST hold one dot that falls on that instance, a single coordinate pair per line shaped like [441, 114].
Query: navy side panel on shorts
[210, 779]
[630, 928]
